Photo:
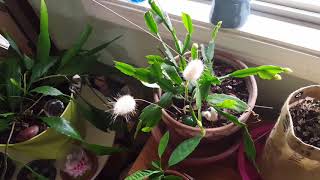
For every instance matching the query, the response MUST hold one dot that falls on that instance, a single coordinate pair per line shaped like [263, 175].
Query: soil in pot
[27, 124]
[306, 120]
[230, 86]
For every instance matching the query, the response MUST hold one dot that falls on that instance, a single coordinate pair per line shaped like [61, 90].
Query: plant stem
[186, 92]
[5, 165]
[36, 102]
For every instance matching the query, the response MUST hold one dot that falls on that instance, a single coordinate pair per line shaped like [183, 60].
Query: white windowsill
[261, 40]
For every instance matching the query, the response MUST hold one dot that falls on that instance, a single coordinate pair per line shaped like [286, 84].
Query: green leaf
[264, 72]
[172, 73]
[165, 100]
[150, 116]
[163, 144]
[12, 72]
[249, 146]
[203, 53]
[150, 22]
[205, 82]
[172, 177]
[198, 96]
[62, 126]
[47, 90]
[44, 44]
[186, 43]
[40, 69]
[141, 74]
[231, 117]
[194, 51]
[4, 124]
[215, 31]
[72, 52]
[154, 59]
[101, 150]
[141, 175]
[187, 22]
[156, 164]
[210, 51]
[34, 173]
[226, 101]
[28, 62]
[101, 47]
[184, 150]
[8, 114]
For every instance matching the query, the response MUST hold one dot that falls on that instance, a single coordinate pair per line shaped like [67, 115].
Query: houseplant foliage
[158, 170]
[28, 82]
[188, 78]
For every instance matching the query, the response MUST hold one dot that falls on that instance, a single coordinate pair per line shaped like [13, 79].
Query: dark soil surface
[306, 120]
[230, 86]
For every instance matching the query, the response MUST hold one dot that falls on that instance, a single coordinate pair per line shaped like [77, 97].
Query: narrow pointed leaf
[184, 150]
[72, 52]
[249, 145]
[101, 47]
[224, 101]
[47, 90]
[150, 22]
[101, 150]
[44, 44]
[163, 144]
[187, 22]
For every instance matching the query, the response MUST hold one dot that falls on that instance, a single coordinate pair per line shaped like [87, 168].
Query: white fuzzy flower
[124, 106]
[193, 70]
[210, 115]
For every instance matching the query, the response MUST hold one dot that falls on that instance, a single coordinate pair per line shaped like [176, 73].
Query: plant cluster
[189, 78]
[35, 89]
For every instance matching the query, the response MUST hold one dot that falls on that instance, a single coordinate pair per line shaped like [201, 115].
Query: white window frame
[306, 5]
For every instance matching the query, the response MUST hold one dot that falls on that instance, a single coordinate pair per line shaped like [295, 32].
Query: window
[302, 10]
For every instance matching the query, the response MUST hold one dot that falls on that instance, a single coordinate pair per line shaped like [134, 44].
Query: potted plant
[158, 170]
[39, 99]
[192, 101]
[292, 150]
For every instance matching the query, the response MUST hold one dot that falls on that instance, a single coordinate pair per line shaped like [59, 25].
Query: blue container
[137, 1]
[232, 13]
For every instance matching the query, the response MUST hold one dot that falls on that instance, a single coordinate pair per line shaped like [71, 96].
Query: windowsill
[262, 40]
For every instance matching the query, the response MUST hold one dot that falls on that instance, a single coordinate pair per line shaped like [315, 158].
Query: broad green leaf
[171, 71]
[47, 91]
[150, 115]
[62, 126]
[187, 22]
[12, 73]
[28, 62]
[186, 43]
[226, 101]
[264, 72]
[231, 118]
[163, 144]
[184, 150]
[172, 177]
[72, 52]
[249, 145]
[44, 44]
[150, 22]
[101, 47]
[194, 51]
[167, 86]
[156, 71]
[215, 31]
[141, 175]
[16, 84]
[101, 150]
[141, 74]
[165, 100]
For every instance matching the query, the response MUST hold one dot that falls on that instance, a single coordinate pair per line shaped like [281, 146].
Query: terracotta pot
[176, 173]
[212, 134]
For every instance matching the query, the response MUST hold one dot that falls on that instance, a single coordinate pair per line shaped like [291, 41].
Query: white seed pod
[124, 106]
[211, 114]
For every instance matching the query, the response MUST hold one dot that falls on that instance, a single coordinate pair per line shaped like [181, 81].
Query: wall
[67, 18]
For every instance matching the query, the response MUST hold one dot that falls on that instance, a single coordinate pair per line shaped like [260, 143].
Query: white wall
[67, 18]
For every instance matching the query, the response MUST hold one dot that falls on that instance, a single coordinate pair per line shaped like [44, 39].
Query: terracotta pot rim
[253, 92]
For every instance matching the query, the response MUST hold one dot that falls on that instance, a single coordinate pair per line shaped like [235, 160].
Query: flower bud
[287, 70]
[277, 77]
[193, 70]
